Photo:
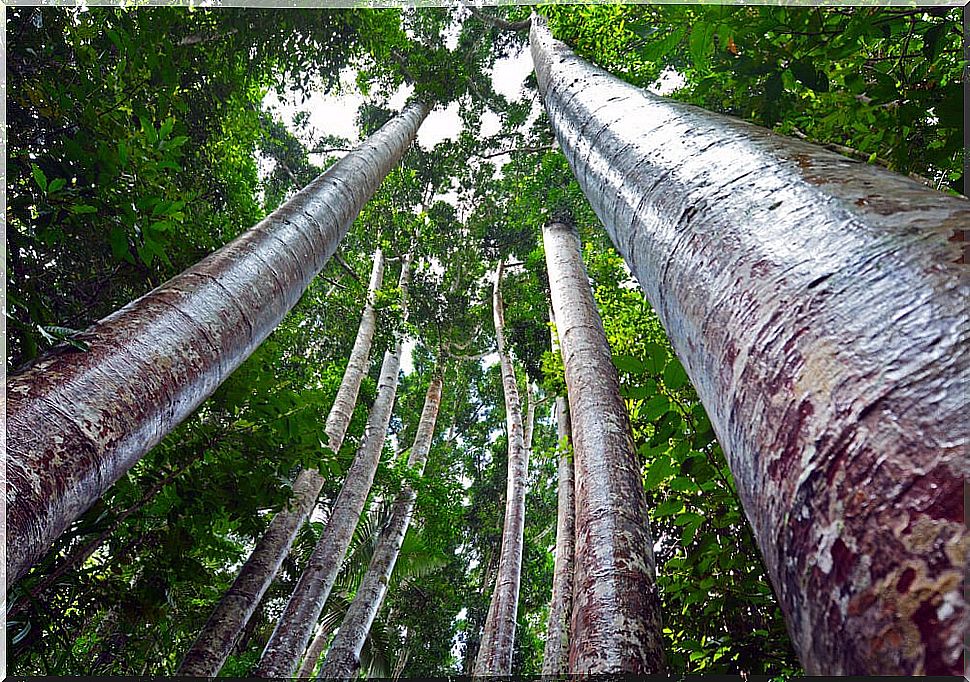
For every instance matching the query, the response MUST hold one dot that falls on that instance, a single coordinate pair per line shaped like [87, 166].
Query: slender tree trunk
[819, 308]
[343, 658]
[555, 657]
[77, 421]
[214, 644]
[498, 638]
[317, 645]
[616, 608]
[292, 634]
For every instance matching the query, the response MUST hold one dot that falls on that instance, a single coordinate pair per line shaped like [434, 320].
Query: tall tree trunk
[77, 421]
[498, 637]
[343, 658]
[555, 657]
[290, 638]
[214, 644]
[616, 607]
[819, 308]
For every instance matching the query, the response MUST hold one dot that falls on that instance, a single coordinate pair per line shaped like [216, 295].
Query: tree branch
[503, 24]
[514, 150]
[350, 271]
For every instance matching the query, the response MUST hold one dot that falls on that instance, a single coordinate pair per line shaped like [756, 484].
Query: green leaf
[628, 363]
[118, 238]
[656, 358]
[655, 407]
[56, 184]
[83, 208]
[702, 44]
[669, 507]
[674, 375]
[688, 517]
[39, 176]
[56, 334]
[660, 470]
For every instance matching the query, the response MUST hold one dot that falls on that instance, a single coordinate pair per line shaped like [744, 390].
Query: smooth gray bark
[215, 642]
[292, 634]
[820, 309]
[498, 637]
[615, 625]
[555, 657]
[77, 421]
[343, 658]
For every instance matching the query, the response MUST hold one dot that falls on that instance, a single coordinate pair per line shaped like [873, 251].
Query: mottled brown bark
[343, 658]
[555, 657]
[498, 638]
[292, 634]
[85, 551]
[76, 421]
[615, 625]
[214, 644]
[819, 308]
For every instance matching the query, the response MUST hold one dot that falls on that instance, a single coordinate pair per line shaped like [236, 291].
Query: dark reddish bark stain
[928, 623]
[843, 561]
[905, 580]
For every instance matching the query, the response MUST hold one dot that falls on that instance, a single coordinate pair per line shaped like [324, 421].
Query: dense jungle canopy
[140, 140]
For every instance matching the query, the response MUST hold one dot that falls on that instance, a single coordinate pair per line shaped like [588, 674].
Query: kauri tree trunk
[214, 644]
[343, 658]
[616, 608]
[555, 657]
[292, 634]
[498, 637]
[819, 307]
[77, 421]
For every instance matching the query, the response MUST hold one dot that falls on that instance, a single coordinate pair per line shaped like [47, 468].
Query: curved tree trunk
[214, 644]
[555, 657]
[819, 308]
[616, 607]
[498, 638]
[292, 634]
[343, 658]
[77, 421]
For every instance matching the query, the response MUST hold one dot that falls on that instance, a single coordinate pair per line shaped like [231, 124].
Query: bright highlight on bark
[820, 311]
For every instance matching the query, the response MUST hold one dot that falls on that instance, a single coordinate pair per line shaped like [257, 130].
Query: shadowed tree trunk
[77, 421]
[819, 308]
[343, 658]
[555, 657]
[215, 642]
[616, 608]
[498, 637]
[292, 634]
